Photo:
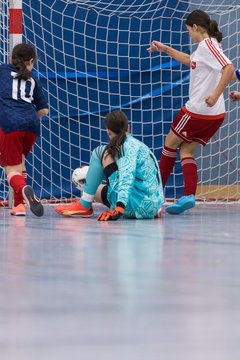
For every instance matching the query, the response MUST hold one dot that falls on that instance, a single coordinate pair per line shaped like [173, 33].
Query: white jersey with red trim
[206, 67]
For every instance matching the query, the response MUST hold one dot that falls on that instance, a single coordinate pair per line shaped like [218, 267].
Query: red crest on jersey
[193, 65]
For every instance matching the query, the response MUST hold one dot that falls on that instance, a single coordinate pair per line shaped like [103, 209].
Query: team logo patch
[193, 65]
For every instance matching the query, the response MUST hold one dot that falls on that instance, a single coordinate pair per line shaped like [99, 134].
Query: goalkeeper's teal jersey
[137, 183]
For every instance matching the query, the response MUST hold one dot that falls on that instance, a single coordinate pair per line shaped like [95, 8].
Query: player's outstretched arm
[226, 77]
[175, 54]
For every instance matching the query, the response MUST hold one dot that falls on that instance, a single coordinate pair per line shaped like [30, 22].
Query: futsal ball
[79, 177]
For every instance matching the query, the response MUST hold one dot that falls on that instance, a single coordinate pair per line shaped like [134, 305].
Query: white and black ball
[79, 177]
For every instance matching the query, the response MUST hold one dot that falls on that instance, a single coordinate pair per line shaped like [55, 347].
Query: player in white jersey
[204, 112]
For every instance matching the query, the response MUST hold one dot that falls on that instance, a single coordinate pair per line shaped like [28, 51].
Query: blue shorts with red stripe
[192, 127]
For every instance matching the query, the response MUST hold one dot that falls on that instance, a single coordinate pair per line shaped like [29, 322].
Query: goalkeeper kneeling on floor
[134, 188]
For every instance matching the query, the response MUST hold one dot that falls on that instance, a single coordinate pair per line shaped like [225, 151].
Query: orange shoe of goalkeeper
[18, 210]
[74, 210]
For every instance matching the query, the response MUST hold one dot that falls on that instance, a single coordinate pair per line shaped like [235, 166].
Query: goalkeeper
[134, 187]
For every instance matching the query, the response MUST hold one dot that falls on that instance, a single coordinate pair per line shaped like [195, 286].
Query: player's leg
[173, 140]
[181, 132]
[190, 176]
[95, 175]
[17, 182]
[12, 147]
[189, 167]
[20, 143]
[196, 131]
[168, 157]
[30, 198]
[18, 197]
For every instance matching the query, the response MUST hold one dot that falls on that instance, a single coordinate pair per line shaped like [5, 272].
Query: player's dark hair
[22, 53]
[200, 18]
[117, 122]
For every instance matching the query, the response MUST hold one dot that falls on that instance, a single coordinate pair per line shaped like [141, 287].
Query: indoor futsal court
[132, 289]
[81, 289]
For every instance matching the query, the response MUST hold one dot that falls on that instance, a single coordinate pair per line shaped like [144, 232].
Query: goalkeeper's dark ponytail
[202, 19]
[117, 122]
[21, 54]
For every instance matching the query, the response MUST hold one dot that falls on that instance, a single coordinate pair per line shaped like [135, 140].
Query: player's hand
[156, 46]
[111, 214]
[234, 95]
[211, 100]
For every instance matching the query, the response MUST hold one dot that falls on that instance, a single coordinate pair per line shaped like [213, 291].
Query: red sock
[166, 163]
[17, 182]
[18, 197]
[190, 175]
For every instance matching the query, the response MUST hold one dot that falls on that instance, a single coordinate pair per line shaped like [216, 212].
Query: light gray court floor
[78, 289]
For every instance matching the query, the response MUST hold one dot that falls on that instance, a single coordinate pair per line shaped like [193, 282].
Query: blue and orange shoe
[184, 203]
[74, 210]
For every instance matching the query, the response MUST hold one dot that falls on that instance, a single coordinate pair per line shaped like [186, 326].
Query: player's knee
[186, 151]
[107, 162]
[186, 154]
[172, 141]
[98, 152]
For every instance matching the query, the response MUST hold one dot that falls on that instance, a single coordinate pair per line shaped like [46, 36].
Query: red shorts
[14, 145]
[191, 127]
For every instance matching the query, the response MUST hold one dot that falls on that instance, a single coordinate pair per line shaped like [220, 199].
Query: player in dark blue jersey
[22, 103]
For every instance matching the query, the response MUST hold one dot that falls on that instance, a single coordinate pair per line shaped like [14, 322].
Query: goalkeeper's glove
[237, 72]
[111, 214]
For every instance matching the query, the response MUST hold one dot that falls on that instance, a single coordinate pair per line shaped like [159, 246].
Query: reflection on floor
[79, 289]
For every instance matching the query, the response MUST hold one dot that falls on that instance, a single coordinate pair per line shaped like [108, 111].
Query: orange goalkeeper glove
[111, 214]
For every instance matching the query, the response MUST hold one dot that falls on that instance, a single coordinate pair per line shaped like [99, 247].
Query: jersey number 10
[22, 89]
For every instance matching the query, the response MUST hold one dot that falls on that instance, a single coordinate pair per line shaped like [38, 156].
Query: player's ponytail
[21, 54]
[117, 122]
[202, 19]
[213, 31]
